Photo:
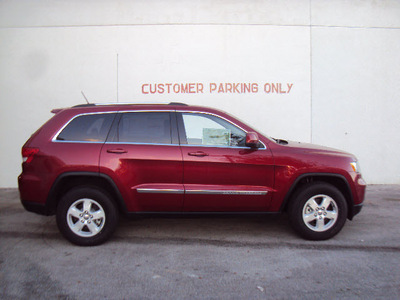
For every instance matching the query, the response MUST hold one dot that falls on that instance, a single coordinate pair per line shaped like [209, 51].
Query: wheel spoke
[326, 202]
[331, 214]
[309, 218]
[98, 215]
[87, 205]
[313, 204]
[73, 211]
[77, 227]
[93, 228]
[320, 224]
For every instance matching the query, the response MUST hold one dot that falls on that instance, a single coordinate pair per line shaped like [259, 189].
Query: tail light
[28, 154]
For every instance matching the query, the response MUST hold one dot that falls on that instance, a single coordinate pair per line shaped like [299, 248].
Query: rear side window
[87, 128]
[145, 127]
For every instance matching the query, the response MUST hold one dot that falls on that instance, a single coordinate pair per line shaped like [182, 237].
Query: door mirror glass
[252, 140]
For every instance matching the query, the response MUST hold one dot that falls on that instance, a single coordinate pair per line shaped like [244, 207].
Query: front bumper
[37, 208]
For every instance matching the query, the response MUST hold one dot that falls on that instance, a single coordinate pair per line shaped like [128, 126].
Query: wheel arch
[69, 180]
[337, 180]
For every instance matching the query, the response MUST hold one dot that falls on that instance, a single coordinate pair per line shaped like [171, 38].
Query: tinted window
[203, 129]
[145, 127]
[87, 128]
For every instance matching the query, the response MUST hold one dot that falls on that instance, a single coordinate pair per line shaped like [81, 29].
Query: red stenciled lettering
[235, 88]
[281, 91]
[221, 88]
[168, 87]
[213, 87]
[191, 88]
[176, 88]
[254, 88]
[228, 87]
[184, 88]
[289, 85]
[160, 88]
[153, 88]
[275, 88]
[246, 88]
[267, 88]
[143, 88]
[199, 88]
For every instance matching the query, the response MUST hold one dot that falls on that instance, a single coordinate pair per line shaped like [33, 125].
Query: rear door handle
[117, 151]
[198, 153]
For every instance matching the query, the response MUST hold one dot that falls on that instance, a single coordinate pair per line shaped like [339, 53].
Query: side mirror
[252, 140]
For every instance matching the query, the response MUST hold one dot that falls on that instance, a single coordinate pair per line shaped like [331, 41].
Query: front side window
[204, 129]
[87, 128]
[145, 127]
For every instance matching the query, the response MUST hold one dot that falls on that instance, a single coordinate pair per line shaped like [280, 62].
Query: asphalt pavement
[250, 257]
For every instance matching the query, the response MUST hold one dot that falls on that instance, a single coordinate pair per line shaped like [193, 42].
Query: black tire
[318, 211]
[89, 227]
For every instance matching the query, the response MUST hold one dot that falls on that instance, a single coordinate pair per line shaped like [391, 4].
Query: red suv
[91, 162]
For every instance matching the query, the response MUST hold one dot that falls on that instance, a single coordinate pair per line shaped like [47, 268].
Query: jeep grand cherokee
[89, 163]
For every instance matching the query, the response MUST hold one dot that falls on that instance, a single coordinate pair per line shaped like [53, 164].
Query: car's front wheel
[318, 211]
[86, 216]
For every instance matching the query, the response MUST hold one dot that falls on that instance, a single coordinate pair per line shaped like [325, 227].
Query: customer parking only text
[217, 88]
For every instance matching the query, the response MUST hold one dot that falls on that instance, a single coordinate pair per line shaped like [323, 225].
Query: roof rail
[177, 103]
[121, 103]
[84, 105]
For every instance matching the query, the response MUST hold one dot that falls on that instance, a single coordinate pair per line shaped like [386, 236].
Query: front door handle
[198, 153]
[117, 151]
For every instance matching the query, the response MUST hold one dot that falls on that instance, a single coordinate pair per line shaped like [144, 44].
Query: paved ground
[203, 257]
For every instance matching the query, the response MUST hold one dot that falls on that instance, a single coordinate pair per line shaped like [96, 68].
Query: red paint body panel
[145, 164]
[227, 168]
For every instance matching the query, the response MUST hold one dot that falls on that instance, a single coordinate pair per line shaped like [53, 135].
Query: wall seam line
[199, 24]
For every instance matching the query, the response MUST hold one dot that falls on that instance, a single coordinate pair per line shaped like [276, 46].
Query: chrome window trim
[77, 142]
[136, 143]
[54, 139]
[225, 119]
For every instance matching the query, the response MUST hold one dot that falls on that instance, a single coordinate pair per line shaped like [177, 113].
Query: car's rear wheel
[87, 216]
[318, 211]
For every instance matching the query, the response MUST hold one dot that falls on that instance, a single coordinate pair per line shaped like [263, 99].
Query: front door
[220, 172]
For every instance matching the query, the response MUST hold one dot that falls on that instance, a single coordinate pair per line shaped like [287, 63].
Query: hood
[314, 149]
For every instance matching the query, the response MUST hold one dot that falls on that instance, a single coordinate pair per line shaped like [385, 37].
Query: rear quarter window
[87, 128]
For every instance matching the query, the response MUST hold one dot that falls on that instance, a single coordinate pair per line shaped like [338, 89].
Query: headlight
[355, 165]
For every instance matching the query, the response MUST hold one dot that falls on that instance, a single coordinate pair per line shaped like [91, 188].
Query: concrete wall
[335, 65]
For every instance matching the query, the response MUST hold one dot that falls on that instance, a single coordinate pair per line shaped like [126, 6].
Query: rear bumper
[32, 195]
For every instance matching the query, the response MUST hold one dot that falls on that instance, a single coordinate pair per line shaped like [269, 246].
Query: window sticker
[216, 136]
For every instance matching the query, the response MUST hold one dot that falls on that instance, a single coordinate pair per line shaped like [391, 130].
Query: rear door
[143, 157]
[220, 172]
